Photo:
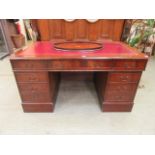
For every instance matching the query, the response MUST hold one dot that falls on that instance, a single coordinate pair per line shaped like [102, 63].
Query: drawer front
[32, 87]
[28, 64]
[124, 77]
[119, 96]
[122, 87]
[34, 92]
[80, 64]
[120, 91]
[31, 76]
[39, 97]
[130, 65]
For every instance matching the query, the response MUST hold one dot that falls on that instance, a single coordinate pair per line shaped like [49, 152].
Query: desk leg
[39, 96]
[116, 91]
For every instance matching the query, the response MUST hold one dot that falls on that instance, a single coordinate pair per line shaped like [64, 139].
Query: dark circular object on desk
[78, 46]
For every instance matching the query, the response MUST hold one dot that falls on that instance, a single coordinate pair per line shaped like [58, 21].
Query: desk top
[110, 50]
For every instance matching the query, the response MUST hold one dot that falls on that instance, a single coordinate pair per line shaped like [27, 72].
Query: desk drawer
[116, 95]
[120, 91]
[31, 76]
[125, 87]
[28, 64]
[124, 77]
[35, 97]
[130, 64]
[80, 64]
[34, 92]
[33, 87]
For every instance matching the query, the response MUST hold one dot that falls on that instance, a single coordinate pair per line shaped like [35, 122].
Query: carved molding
[92, 20]
[69, 20]
[89, 20]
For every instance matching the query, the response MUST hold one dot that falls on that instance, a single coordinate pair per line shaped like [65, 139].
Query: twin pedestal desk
[117, 71]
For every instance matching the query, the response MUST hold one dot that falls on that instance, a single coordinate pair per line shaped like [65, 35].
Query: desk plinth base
[116, 107]
[38, 107]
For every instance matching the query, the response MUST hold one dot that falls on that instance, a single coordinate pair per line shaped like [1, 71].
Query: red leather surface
[110, 49]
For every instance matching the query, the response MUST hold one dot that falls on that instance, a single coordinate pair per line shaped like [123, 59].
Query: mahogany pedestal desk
[117, 70]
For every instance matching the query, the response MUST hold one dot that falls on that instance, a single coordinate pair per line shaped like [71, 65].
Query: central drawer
[80, 64]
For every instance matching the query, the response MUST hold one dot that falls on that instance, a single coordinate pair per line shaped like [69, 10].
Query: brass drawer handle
[124, 78]
[33, 79]
[29, 65]
[128, 65]
[31, 88]
[122, 88]
[118, 97]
